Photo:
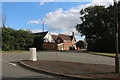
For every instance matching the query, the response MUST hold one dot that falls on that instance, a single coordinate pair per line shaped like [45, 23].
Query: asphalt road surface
[12, 69]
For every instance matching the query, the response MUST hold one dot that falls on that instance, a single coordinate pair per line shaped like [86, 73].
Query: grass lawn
[15, 51]
[103, 54]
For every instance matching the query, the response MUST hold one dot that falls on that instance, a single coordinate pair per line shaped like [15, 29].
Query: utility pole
[116, 32]
[43, 26]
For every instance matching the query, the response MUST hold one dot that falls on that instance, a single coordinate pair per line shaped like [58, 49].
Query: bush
[16, 39]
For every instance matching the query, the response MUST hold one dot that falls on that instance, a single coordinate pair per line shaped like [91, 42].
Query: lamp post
[116, 32]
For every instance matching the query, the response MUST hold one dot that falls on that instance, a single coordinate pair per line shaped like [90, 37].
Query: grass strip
[103, 54]
[15, 51]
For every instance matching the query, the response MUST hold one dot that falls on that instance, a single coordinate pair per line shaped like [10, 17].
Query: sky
[59, 17]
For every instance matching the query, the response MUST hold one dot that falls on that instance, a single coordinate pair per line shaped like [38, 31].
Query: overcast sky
[59, 17]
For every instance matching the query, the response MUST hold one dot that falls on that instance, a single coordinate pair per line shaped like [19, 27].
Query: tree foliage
[16, 39]
[98, 27]
[38, 42]
[20, 40]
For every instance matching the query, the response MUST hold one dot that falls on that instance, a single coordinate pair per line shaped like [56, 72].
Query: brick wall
[50, 46]
[62, 46]
[65, 46]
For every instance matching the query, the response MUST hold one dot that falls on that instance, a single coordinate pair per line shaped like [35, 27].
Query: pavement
[74, 69]
[68, 56]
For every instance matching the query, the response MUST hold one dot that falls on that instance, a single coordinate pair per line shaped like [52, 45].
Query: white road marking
[9, 62]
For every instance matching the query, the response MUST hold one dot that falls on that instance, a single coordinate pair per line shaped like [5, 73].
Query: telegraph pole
[116, 32]
[43, 26]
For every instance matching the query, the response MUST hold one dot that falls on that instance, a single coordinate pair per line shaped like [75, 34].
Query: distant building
[66, 42]
[81, 44]
[49, 38]
[58, 42]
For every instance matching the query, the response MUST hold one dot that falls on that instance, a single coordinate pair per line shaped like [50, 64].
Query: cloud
[42, 3]
[34, 22]
[35, 30]
[45, 1]
[102, 2]
[62, 20]
[66, 20]
[97, 2]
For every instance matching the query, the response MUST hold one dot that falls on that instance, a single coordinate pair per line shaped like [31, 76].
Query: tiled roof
[64, 37]
[42, 34]
[71, 37]
[54, 36]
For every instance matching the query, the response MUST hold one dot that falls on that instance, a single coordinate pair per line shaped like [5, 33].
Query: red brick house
[55, 37]
[58, 42]
[50, 46]
[65, 42]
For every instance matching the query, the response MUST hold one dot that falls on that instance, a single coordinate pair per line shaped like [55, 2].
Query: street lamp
[116, 31]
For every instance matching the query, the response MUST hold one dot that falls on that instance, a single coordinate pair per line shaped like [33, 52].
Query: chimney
[72, 33]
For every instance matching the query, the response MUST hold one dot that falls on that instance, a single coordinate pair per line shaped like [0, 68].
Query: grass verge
[103, 54]
[15, 51]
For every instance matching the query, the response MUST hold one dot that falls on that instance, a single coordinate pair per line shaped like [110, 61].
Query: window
[68, 41]
[64, 41]
[64, 47]
[52, 41]
[58, 41]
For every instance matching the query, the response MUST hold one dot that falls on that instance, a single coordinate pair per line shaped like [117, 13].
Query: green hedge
[16, 39]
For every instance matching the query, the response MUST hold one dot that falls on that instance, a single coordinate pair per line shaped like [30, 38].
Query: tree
[16, 39]
[3, 21]
[98, 27]
[7, 39]
[38, 41]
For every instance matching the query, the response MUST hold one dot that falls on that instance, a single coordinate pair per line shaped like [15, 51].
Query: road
[15, 70]
[12, 69]
[73, 56]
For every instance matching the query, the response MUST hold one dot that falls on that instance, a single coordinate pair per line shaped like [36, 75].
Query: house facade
[48, 38]
[66, 42]
[58, 42]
